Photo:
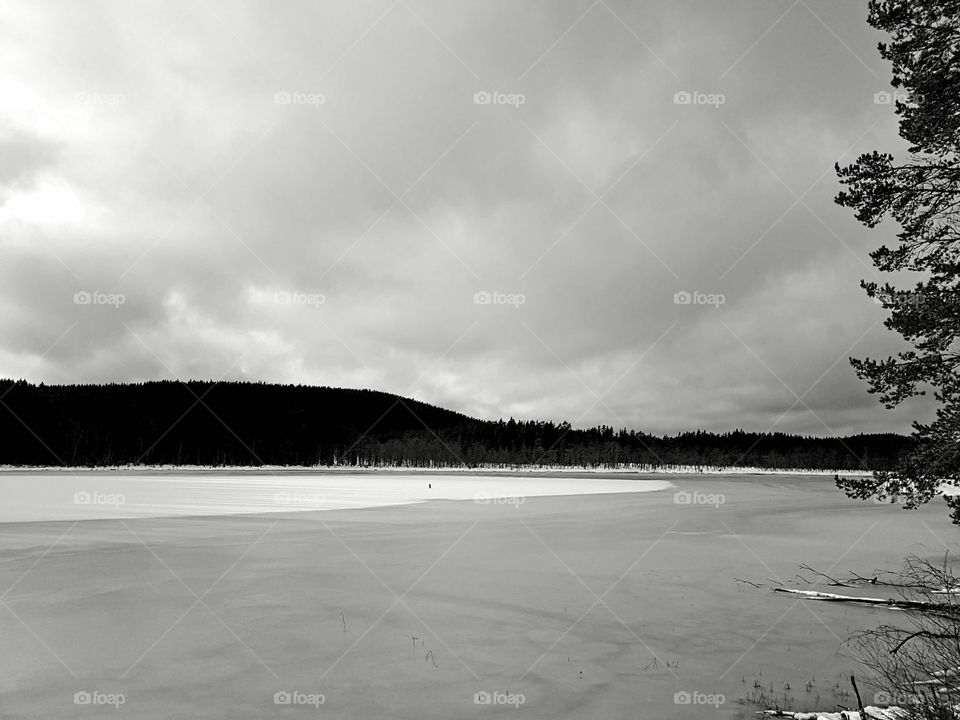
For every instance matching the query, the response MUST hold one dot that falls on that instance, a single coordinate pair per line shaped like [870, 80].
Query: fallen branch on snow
[884, 602]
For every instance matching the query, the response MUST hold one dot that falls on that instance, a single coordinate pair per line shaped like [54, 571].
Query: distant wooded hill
[238, 423]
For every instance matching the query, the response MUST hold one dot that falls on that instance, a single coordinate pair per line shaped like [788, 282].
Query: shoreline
[513, 471]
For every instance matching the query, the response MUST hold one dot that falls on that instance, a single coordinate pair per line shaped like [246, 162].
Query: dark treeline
[231, 423]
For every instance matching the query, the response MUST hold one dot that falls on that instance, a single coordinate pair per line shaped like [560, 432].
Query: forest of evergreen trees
[250, 424]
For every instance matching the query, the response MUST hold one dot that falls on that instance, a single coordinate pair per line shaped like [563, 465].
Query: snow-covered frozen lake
[35, 496]
[588, 603]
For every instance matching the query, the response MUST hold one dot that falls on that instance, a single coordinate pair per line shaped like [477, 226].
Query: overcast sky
[314, 192]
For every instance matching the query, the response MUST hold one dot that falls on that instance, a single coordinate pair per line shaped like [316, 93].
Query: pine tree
[922, 194]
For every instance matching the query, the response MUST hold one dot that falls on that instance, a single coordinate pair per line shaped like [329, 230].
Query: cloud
[146, 153]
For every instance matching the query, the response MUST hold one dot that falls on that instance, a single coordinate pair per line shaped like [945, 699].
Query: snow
[78, 496]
